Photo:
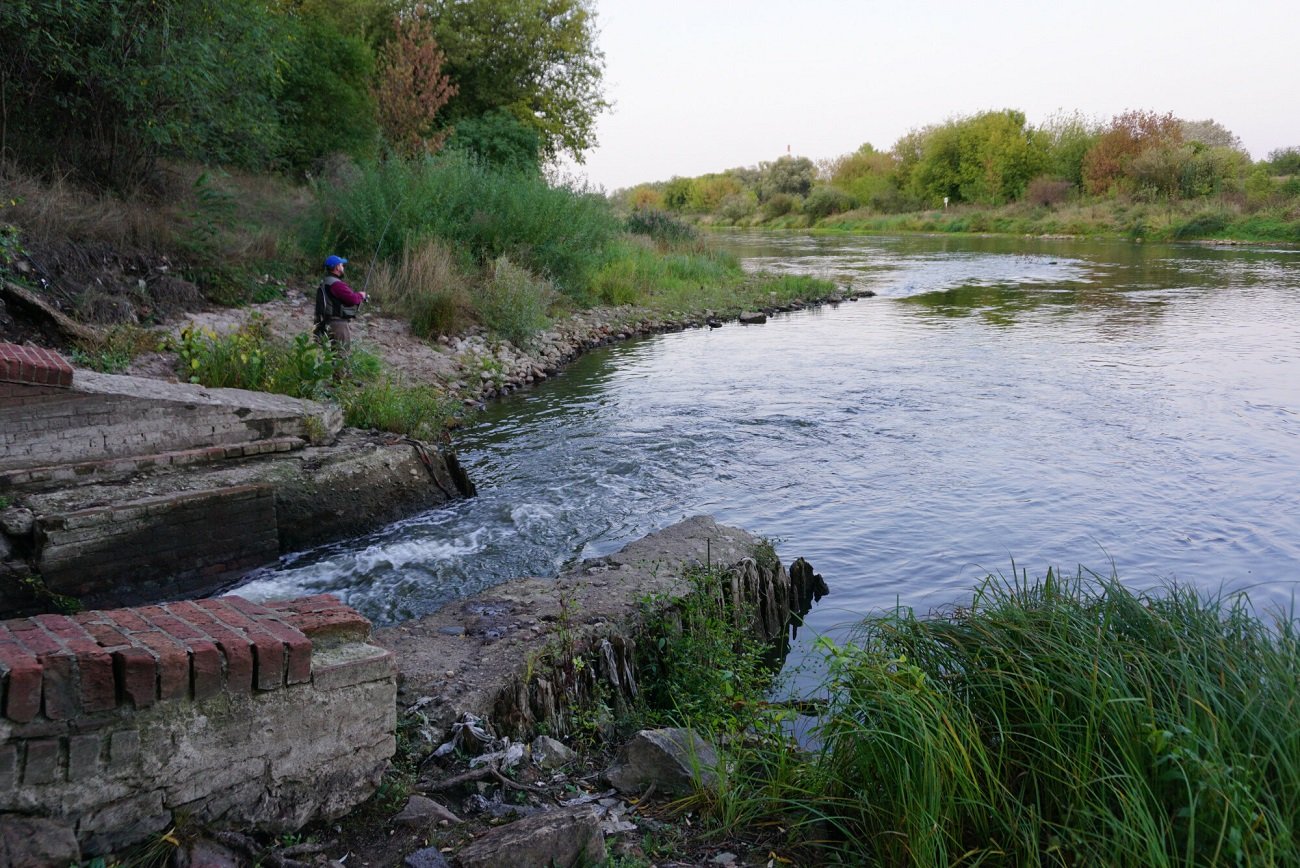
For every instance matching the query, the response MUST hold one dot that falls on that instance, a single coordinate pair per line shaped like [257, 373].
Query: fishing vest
[327, 306]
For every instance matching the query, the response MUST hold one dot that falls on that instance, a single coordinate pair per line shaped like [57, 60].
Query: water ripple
[1055, 404]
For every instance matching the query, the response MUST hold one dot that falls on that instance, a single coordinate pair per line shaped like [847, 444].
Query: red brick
[29, 634]
[324, 617]
[94, 684]
[21, 674]
[98, 683]
[136, 673]
[269, 655]
[162, 618]
[298, 649]
[205, 665]
[233, 644]
[127, 621]
[107, 635]
[247, 607]
[268, 650]
[173, 661]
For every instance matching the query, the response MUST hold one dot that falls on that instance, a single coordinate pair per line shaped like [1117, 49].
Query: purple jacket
[345, 293]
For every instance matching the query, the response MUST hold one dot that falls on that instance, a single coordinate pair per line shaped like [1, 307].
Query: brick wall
[221, 709]
[171, 545]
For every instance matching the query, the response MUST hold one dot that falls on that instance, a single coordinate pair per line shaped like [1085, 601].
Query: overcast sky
[707, 85]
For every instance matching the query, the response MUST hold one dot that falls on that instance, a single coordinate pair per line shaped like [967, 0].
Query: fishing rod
[371, 267]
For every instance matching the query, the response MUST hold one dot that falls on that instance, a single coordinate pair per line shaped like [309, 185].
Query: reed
[1065, 721]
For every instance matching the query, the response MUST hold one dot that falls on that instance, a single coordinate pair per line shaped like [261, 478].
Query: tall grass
[428, 286]
[559, 233]
[1067, 721]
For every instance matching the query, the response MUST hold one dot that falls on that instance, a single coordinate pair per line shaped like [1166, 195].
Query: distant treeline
[993, 159]
[102, 89]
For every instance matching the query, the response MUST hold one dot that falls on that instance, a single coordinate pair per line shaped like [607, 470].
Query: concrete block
[83, 756]
[42, 762]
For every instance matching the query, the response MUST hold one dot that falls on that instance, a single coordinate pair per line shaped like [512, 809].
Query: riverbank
[1220, 222]
[473, 367]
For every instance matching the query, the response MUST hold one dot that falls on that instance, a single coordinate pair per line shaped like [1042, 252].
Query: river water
[1119, 407]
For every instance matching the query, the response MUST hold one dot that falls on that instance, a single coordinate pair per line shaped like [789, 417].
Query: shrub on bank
[384, 404]
[513, 303]
[253, 358]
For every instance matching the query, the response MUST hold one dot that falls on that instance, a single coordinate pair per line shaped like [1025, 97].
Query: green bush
[115, 348]
[778, 205]
[429, 287]
[252, 358]
[421, 412]
[825, 201]
[738, 206]
[1064, 721]
[1205, 225]
[512, 303]
[658, 224]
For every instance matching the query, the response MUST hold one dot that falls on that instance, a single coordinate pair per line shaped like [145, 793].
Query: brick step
[116, 469]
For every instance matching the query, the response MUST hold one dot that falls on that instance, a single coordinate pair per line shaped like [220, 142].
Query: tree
[498, 140]
[1069, 138]
[708, 191]
[1211, 134]
[1284, 161]
[868, 176]
[792, 176]
[988, 158]
[410, 88]
[112, 84]
[325, 101]
[1107, 165]
[536, 59]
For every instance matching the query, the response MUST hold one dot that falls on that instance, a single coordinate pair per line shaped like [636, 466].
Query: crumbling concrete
[493, 654]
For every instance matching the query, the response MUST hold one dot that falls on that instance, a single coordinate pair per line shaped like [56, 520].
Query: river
[1118, 407]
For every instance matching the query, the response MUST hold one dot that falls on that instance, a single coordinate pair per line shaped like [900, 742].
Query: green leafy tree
[325, 101]
[869, 177]
[536, 59]
[497, 139]
[792, 176]
[987, 159]
[112, 84]
[1284, 161]
[677, 193]
[708, 191]
[1069, 137]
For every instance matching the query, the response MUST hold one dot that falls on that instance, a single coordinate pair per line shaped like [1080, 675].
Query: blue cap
[331, 261]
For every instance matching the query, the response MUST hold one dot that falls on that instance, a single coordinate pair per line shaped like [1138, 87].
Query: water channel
[1121, 407]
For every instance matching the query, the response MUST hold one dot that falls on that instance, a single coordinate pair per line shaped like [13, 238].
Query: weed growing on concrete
[703, 670]
[117, 347]
[47, 599]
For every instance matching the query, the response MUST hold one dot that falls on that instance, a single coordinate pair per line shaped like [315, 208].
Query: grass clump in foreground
[1063, 721]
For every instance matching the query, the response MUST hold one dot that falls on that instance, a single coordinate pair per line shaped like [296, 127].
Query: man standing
[336, 304]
